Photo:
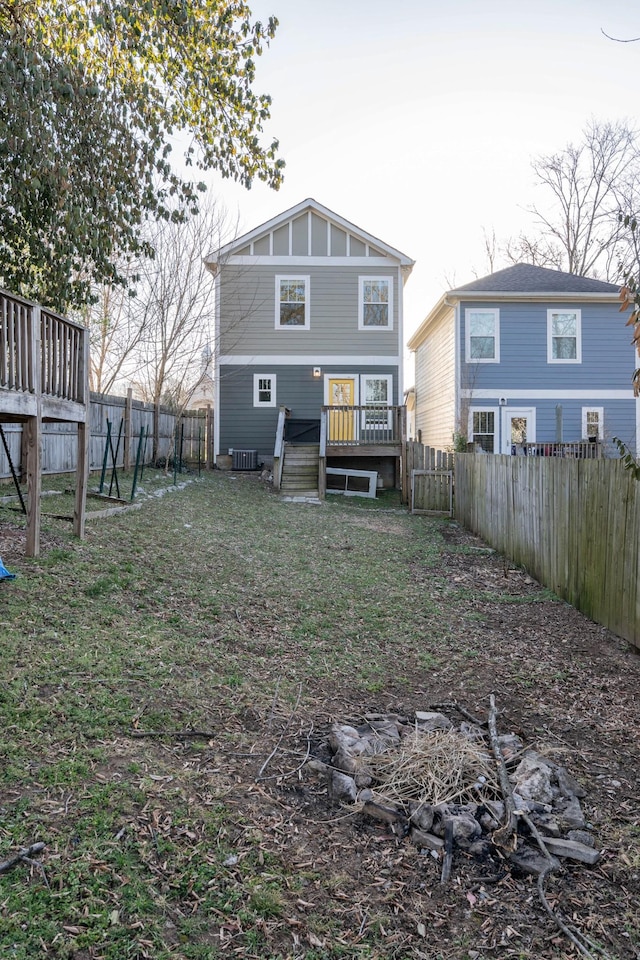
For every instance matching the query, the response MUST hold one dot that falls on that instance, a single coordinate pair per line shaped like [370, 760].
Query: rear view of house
[309, 316]
[526, 356]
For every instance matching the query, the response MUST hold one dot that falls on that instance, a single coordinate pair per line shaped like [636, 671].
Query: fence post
[156, 432]
[209, 439]
[128, 409]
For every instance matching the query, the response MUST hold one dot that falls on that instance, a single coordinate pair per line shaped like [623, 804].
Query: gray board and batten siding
[308, 235]
[248, 303]
[245, 427]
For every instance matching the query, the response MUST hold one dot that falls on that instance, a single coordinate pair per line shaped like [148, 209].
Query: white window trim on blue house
[550, 336]
[496, 422]
[600, 420]
[261, 390]
[292, 278]
[361, 303]
[495, 313]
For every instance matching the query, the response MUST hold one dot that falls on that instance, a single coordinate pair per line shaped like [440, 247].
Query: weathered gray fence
[191, 432]
[573, 524]
[428, 478]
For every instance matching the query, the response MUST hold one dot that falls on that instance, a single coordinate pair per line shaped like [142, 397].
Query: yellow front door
[342, 392]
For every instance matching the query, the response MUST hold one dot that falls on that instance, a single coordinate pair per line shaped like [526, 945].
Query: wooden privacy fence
[59, 440]
[574, 524]
[428, 478]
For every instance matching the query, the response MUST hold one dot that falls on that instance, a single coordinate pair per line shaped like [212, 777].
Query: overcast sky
[418, 120]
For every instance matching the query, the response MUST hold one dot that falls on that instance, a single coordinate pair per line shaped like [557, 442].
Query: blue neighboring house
[526, 354]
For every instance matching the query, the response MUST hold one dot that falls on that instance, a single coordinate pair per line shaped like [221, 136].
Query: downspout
[400, 339]
[457, 361]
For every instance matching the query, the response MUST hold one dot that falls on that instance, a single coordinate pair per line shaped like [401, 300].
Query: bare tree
[537, 251]
[589, 183]
[115, 335]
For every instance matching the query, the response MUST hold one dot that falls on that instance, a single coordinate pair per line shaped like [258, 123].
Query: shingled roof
[525, 278]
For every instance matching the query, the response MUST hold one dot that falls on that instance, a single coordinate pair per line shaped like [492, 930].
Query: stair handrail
[278, 450]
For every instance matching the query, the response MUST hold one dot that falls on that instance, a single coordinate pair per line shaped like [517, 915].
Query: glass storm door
[518, 428]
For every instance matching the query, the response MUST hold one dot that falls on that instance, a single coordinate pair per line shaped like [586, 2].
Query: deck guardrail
[41, 353]
[363, 425]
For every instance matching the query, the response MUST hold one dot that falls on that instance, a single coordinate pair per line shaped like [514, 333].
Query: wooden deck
[362, 431]
[44, 363]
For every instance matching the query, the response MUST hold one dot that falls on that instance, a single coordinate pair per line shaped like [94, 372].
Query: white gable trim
[310, 206]
[306, 359]
[266, 261]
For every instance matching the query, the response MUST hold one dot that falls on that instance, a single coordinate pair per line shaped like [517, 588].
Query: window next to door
[482, 429]
[377, 393]
[482, 336]
[593, 423]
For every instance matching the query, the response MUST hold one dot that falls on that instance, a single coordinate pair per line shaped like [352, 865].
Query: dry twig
[505, 837]
[24, 856]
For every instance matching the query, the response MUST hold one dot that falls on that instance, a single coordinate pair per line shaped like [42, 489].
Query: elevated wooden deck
[44, 364]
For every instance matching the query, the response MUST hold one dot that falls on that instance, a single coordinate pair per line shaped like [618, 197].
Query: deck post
[402, 466]
[33, 429]
[82, 460]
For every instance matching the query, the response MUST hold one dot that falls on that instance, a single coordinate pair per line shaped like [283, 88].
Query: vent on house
[245, 460]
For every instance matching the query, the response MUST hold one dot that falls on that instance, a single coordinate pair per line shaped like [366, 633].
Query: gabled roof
[309, 206]
[525, 278]
[521, 282]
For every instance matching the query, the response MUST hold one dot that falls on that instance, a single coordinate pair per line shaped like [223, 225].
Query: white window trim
[257, 377]
[296, 277]
[496, 335]
[600, 412]
[578, 357]
[361, 324]
[496, 424]
[386, 424]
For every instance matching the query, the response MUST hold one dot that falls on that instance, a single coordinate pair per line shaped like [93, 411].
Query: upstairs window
[482, 329]
[375, 307]
[292, 303]
[264, 390]
[564, 341]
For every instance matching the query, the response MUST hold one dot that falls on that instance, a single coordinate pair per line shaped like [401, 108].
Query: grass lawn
[162, 682]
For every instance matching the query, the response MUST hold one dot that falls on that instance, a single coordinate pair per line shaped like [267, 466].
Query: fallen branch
[461, 710]
[23, 855]
[176, 734]
[552, 865]
[505, 837]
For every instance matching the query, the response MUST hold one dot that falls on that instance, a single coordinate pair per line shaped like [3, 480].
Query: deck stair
[300, 470]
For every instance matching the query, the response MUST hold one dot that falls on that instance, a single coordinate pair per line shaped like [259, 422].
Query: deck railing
[17, 345]
[278, 450]
[369, 424]
[578, 450]
[41, 351]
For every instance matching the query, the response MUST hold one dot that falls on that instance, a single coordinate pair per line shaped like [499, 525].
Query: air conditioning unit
[245, 460]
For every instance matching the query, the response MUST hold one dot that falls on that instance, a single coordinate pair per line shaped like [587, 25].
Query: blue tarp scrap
[4, 573]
